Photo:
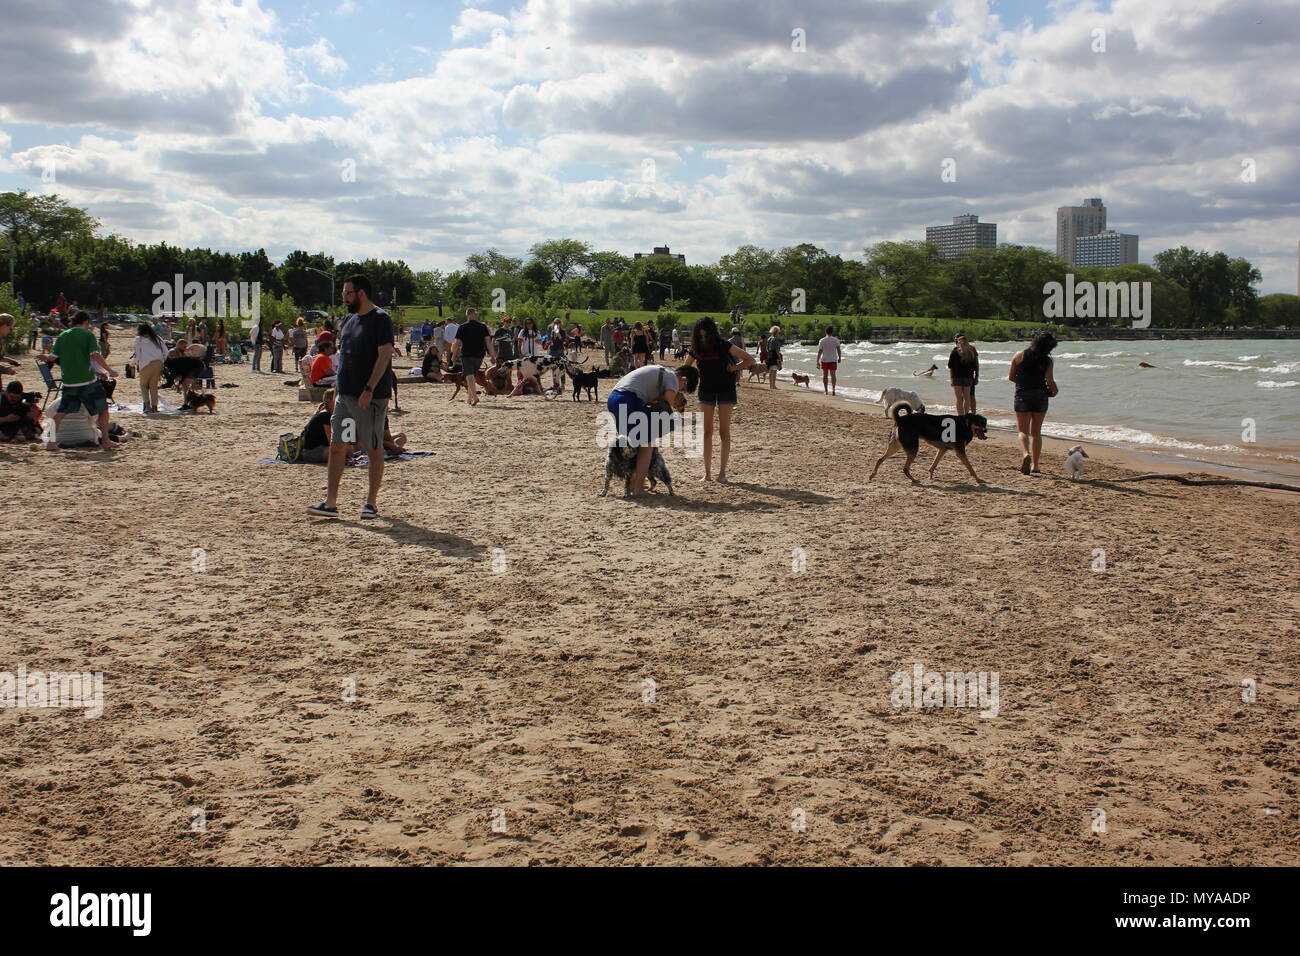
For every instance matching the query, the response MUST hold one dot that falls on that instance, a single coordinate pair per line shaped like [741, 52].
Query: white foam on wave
[1277, 384]
[1281, 369]
[1088, 366]
[1070, 354]
[1247, 358]
[1231, 366]
[1117, 433]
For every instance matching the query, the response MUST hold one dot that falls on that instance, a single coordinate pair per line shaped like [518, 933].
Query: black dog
[944, 432]
[621, 461]
[587, 380]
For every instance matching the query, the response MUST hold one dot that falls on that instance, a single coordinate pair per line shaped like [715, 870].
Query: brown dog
[196, 400]
[800, 379]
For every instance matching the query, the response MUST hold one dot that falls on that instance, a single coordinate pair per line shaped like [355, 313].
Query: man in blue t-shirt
[363, 387]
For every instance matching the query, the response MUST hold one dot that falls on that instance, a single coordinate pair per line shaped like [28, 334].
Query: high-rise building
[660, 251]
[966, 234]
[1075, 221]
[1106, 249]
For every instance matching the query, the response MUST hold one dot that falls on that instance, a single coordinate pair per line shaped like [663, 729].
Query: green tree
[430, 286]
[1279, 310]
[905, 277]
[539, 277]
[562, 256]
[308, 287]
[493, 262]
[602, 264]
[32, 220]
[618, 291]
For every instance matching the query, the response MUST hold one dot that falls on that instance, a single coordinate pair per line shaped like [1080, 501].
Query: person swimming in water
[1145, 365]
[928, 372]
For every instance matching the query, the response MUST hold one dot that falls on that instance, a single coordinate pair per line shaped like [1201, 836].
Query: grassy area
[806, 326]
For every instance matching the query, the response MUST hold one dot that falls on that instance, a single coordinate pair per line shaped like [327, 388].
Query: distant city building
[966, 234]
[661, 251]
[1075, 221]
[1106, 249]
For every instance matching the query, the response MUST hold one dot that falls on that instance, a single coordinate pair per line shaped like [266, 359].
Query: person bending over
[633, 398]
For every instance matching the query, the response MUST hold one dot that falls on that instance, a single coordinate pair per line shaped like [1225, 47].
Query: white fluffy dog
[891, 395]
[1074, 462]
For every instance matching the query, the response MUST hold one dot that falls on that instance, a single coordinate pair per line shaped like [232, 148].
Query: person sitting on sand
[20, 414]
[529, 383]
[393, 444]
[316, 433]
[323, 372]
[498, 378]
[431, 366]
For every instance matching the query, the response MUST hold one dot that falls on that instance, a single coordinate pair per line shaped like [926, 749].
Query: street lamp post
[667, 285]
[321, 272]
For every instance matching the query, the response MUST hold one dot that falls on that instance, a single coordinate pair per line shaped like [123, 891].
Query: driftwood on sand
[1276, 485]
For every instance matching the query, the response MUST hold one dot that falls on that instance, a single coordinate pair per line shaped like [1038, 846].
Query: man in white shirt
[449, 336]
[828, 356]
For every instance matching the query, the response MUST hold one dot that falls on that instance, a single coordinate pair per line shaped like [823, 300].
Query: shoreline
[1136, 460]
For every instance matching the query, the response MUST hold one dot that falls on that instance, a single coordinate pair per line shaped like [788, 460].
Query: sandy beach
[545, 676]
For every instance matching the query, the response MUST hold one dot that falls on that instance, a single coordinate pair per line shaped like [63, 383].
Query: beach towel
[137, 408]
[361, 461]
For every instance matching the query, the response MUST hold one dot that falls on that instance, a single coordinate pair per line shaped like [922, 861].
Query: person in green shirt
[77, 352]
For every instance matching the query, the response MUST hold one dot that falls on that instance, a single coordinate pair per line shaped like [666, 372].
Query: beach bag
[290, 447]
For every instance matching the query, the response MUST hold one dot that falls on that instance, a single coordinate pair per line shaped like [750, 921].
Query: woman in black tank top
[718, 361]
[1031, 370]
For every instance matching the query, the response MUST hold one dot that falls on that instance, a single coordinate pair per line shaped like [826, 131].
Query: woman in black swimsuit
[964, 373]
[640, 346]
[1031, 370]
[718, 361]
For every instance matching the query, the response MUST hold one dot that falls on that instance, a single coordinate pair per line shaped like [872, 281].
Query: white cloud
[538, 123]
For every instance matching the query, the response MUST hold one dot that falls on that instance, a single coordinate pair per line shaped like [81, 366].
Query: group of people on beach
[355, 364]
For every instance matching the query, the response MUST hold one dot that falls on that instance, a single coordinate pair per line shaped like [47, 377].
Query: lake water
[1189, 408]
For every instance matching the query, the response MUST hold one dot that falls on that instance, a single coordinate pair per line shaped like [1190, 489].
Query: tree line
[57, 248]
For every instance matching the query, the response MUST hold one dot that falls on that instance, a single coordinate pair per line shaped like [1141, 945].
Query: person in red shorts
[828, 356]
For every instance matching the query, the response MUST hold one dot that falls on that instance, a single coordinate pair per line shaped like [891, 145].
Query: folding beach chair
[234, 354]
[52, 385]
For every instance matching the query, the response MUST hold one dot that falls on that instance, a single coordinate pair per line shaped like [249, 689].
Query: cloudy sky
[428, 131]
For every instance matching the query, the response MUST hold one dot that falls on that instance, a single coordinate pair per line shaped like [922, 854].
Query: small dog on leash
[945, 432]
[892, 394]
[621, 462]
[1074, 462]
[196, 400]
[800, 379]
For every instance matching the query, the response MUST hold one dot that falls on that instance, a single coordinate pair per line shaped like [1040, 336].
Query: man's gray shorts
[470, 364]
[351, 424]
